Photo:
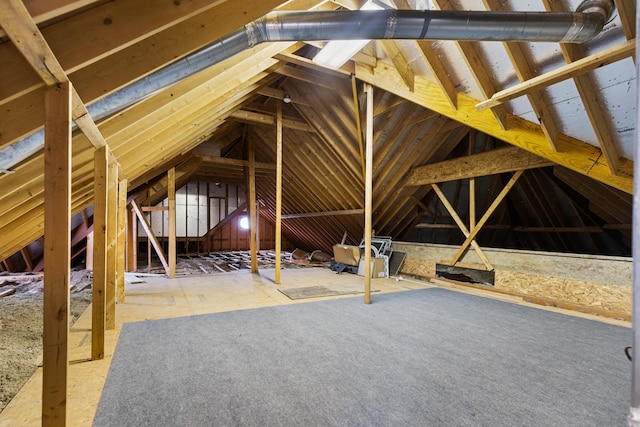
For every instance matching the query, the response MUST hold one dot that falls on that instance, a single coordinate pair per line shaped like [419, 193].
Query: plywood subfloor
[158, 298]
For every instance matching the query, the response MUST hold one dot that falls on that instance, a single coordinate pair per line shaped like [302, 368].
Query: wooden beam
[356, 106]
[572, 153]
[122, 227]
[509, 159]
[461, 225]
[392, 49]
[324, 213]
[100, 218]
[152, 237]
[112, 245]
[26, 36]
[486, 216]
[224, 161]
[368, 193]
[266, 119]
[278, 222]
[171, 179]
[57, 253]
[253, 227]
[566, 72]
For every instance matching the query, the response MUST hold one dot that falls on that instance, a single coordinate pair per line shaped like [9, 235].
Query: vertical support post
[132, 240]
[100, 218]
[472, 184]
[368, 194]
[253, 245]
[278, 189]
[57, 253]
[112, 243]
[634, 414]
[171, 181]
[88, 261]
[122, 219]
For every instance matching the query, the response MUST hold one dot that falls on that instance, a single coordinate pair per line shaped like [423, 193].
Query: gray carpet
[324, 291]
[419, 358]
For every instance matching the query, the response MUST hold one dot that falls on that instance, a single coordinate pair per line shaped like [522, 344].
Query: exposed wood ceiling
[552, 101]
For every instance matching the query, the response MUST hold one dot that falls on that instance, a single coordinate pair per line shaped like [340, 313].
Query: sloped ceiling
[580, 119]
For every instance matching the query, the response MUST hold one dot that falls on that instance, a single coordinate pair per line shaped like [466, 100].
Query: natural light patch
[337, 52]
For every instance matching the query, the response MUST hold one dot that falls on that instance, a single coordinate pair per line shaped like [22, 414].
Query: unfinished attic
[232, 178]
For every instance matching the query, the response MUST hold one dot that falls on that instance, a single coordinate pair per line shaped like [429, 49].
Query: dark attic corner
[283, 178]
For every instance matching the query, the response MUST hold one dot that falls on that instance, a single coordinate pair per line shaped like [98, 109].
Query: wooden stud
[100, 218]
[253, 227]
[171, 178]
[122, 226]
[132, 240]
[368, 196]
[88, 262]
[57, 253]
[278, 221]
[112, 244]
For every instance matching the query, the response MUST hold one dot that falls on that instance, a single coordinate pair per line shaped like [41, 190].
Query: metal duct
[563, 27]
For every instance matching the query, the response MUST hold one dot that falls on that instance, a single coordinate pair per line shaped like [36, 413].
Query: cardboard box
[346, 254]
[377, 268]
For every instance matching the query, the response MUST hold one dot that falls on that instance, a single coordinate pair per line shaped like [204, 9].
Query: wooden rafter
[521, 64]
[478, 69]
[594, 109]
[574, 154]
[572, 69]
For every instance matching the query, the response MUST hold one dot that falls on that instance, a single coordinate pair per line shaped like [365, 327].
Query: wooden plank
[509, 159]
[57, 254]
[224, 161]
[266, 119]
[112, 245]
[486, 216]
[461, 226]
[100, 218]
[253, 227]
[566, 72]
[356, 106]
[122, 227]
[152, 237]
[278, 222]
[368, 194]
[132, 240]
[171, 179]
[439, 71]
[393, 51]
[325, 213]
[25, 34]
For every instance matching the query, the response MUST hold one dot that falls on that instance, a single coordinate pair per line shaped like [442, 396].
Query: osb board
[608, 297]
[615, 270]
[418, 267]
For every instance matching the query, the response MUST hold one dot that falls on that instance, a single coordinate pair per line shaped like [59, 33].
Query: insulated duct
[562, 27]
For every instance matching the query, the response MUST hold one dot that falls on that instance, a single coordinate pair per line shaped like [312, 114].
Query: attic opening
[466, 274]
